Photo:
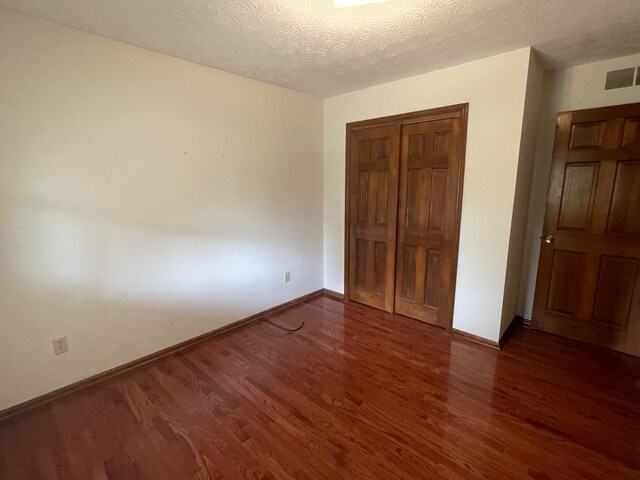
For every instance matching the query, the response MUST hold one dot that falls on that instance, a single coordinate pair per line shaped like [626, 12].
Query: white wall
[564, 90]
[522, 193]
[495, 88]
[144, 200]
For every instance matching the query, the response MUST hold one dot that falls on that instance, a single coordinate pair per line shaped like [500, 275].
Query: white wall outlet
[287, 277]
[60, 345]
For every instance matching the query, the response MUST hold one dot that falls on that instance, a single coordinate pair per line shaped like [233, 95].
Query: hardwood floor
[356, 393]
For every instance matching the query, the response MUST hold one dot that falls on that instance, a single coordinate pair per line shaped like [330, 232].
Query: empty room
[319, 239]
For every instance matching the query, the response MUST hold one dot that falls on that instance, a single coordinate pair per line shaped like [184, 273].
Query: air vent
[621, 78]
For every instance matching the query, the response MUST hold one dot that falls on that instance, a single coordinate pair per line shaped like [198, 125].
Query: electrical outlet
[287, 277]
[60, 345]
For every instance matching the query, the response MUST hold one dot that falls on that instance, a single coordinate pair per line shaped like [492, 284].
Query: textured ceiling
[310, 46]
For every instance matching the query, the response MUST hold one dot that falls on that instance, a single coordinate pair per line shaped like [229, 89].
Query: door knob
[548, 239]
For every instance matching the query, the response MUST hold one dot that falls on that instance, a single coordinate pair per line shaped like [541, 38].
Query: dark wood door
[588, 284]
[372, 211]
[428, 219]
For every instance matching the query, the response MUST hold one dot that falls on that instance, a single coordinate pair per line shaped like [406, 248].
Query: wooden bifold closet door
[404, 189]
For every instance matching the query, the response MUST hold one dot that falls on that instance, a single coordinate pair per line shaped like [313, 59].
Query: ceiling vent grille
[623, 78]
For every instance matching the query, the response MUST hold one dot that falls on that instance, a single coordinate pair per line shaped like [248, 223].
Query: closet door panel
[430, 166]
[372, 207]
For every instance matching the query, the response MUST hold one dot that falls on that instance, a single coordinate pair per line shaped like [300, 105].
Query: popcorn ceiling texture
[308, 45]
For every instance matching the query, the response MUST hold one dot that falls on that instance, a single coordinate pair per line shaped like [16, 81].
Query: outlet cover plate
[60, 345]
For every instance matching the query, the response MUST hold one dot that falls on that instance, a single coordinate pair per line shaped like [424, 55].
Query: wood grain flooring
[356, 393]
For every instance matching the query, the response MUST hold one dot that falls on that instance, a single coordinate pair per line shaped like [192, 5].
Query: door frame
[433, 114]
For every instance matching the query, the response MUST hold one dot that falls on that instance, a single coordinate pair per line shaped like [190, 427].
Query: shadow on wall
[115, 259]
[118, 288]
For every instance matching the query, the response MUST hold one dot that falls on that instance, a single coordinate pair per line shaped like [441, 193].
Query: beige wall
[495, 88]
[143, 200]
[568, 89]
